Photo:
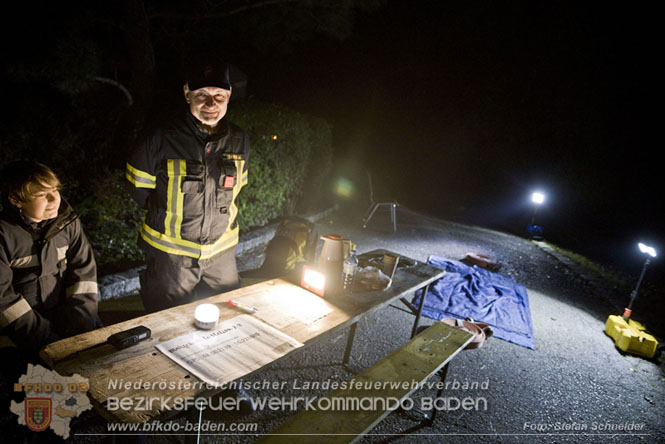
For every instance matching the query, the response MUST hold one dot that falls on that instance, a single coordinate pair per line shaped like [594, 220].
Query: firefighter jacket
[48, 279]
[188, 181]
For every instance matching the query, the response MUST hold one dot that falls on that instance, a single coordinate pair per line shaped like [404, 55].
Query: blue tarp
[472, 292]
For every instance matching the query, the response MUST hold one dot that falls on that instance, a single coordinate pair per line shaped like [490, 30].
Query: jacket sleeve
[79, 309]
[141, 174]
[29, 330]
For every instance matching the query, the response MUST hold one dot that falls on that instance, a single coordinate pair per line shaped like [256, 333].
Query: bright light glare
[313, 280]
[538, 198]
[344, 187]
[647, 249]
[206, 315]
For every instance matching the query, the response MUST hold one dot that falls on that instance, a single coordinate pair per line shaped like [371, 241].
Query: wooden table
[88, 355]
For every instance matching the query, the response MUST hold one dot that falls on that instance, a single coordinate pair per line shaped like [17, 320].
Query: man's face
[42, 205]
[208, 104]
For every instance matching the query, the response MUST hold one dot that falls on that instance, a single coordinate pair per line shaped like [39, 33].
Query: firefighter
[48, 275]
[187, 176]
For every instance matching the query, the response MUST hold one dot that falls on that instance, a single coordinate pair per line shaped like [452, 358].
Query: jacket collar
[195, 127]
[46, 229]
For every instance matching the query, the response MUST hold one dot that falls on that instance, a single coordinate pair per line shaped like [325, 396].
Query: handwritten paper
[233, 349]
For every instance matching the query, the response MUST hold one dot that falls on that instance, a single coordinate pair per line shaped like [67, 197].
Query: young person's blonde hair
[22, 179]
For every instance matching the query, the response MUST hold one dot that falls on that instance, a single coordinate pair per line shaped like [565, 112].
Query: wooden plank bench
[414, 362]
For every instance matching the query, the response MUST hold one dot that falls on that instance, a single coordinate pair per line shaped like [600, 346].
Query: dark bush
[111, 219]
[291, 156]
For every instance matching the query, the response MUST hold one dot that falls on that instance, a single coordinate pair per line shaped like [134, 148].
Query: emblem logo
[38, 413]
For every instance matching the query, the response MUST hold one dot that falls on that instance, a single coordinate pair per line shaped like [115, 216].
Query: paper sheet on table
[288, 307]
[233, 349]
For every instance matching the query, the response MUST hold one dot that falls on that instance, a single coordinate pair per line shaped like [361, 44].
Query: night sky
[461, 109]
[464, 108]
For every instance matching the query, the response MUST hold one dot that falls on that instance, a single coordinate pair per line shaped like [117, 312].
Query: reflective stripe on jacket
[188, 182]
[48, 280]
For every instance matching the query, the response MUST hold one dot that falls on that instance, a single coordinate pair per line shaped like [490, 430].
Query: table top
[88, 355]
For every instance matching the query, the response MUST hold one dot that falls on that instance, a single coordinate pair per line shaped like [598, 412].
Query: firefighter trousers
[169, 280]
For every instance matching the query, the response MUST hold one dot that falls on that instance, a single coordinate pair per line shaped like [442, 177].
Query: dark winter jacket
[48, 279]
[188, 182]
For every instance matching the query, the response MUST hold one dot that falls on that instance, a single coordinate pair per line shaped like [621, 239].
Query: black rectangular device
[129, 337]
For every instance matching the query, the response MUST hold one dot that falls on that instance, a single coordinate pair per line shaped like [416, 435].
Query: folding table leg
[369, 214]
[420, 311]
[349, 343]
[426, 418]
[442, 373]
[194, 416]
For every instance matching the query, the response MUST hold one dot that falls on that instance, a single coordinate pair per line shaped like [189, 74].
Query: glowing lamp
[647, 249]
[313, 280]
[651, 252]
[538, 198]
[206, 316]
[344, 187]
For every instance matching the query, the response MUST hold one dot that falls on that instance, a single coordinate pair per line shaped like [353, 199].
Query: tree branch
[120, 86]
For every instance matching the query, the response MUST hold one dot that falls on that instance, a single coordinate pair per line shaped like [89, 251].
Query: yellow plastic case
[631, 336]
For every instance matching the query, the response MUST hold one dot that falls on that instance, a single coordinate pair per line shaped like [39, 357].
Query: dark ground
[575, 378]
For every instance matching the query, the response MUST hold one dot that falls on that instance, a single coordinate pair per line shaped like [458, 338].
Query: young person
[48, 275]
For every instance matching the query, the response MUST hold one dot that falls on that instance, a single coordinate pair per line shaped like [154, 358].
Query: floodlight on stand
[630, 336]
[651, 253]
[537, 198]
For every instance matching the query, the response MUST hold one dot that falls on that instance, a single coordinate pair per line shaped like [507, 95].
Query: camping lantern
[206, 316]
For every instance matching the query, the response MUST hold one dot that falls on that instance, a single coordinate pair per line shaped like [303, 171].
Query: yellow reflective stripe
[140, 179]
[233, 211]
[13, 312]
[179, 199]
[177, 170]
[138, 184]
[165, 247]
[183, 247]
[171, 240]
[139, 173]
[82, 287]
[228, 240]
[162, 236]
[24, 262]
[169, 198]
